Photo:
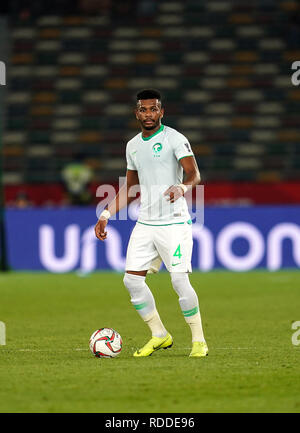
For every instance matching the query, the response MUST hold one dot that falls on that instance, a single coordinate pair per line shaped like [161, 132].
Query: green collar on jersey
[155, 133]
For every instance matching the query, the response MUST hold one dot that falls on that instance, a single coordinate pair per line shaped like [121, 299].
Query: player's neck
[146, 133]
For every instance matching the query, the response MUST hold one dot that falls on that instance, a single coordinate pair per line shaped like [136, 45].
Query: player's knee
[179, 279]
[138, 290]
[133, 282]
[127, 280]
[182, 286]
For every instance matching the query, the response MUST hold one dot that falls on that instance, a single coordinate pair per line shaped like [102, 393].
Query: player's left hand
[174, 192]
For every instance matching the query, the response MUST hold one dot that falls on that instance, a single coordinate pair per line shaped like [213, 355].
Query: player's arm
[191, 179]
[125, 195]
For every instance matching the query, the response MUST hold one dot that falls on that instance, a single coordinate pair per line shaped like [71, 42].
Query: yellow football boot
[199, 350]
[154, 344]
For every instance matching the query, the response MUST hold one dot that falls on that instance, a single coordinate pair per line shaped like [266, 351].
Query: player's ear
[162, 112]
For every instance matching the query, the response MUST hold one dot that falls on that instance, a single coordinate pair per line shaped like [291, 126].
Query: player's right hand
[100, 232]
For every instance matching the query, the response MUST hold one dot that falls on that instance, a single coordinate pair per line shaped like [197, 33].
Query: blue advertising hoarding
[233, 238]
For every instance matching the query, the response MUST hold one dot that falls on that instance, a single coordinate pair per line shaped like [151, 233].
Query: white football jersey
[156, 159]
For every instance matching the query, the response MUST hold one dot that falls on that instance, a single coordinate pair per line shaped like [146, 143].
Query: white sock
[143, 301]
[155, 324]
[189, 304]
[196, 327]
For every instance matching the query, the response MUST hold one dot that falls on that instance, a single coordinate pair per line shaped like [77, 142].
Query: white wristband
[105, 214]
[183, 187]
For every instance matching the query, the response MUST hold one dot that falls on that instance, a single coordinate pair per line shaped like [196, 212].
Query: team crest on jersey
[156, 149]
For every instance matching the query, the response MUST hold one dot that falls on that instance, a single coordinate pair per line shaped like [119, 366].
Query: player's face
[149, 113]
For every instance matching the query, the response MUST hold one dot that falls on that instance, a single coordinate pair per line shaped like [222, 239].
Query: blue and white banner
[235, 238]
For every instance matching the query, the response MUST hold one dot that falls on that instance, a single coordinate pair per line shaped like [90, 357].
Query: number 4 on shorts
[177, 252]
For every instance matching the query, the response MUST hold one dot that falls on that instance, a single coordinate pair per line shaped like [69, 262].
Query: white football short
[173, 243]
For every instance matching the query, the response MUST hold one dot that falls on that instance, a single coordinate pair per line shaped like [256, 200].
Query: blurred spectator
[22, 201]
[146, 8]
[34, 8]
[77, 177]
[123, 11]
[294, 27]
[97, 7]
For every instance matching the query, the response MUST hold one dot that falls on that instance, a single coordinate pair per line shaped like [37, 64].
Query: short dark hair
[148, 94]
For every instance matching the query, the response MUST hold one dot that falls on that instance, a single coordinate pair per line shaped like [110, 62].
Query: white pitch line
[132, 348]
[234, 348]
[42, 350]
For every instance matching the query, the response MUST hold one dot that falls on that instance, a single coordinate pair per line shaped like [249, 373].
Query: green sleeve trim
[184, 157]
[158, 225]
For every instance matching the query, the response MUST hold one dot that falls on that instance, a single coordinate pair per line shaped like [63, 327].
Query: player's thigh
[141, 250]
[175, 245]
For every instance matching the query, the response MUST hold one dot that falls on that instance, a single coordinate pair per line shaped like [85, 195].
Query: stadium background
[224, 69]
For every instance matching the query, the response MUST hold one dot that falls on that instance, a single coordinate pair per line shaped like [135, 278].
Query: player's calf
[189, 305]
[144, 303]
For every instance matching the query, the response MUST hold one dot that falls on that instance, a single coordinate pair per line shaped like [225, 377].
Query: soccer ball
[106, 343]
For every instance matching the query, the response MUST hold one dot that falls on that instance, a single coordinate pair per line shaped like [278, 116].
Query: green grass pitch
[46, 365]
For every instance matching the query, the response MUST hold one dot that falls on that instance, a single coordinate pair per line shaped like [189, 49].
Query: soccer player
[156, 160]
